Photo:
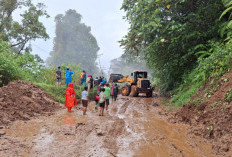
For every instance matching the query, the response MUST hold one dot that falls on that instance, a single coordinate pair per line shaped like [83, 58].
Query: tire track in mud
[133, 127]
[152, 135]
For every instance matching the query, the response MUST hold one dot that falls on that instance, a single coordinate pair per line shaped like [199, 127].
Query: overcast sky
[103, 16]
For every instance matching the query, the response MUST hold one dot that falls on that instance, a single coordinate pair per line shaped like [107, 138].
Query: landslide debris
[21, 100]
[210, 113]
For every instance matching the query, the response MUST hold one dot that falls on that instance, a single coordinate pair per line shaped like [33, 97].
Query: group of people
[102, 98]
[68, 75]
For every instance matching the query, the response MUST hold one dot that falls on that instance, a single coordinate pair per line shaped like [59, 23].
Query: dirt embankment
[210, 113]
[21, 100]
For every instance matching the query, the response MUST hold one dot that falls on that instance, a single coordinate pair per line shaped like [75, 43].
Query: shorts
[102, 105]
[85, 103]
[107, 102]
[58, 79]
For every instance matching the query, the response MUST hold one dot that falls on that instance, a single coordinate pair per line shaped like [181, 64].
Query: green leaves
[214, 66]
[18, 34]
[225, 12]
[226, 27]
[168, 33]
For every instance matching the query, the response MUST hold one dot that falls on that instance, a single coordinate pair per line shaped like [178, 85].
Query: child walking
[102, 101]
[84, 99]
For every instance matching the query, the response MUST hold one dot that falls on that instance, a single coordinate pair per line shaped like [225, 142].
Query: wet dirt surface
[132, 127]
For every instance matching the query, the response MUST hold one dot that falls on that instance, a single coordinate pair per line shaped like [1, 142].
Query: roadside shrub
[9, 69]
[217, 64]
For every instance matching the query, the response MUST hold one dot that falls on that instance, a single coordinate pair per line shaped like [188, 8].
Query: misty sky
[103, 16]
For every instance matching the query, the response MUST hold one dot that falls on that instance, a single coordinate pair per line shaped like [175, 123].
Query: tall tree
[74, 43]
[170, 32]
[19, 33]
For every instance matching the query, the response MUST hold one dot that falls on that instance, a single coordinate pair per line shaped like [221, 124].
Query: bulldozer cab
[135, 84]
[138, 74]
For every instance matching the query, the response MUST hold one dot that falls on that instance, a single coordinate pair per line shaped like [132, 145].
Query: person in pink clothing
[112, 91]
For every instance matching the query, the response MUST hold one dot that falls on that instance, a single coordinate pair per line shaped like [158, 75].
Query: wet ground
[132, 127]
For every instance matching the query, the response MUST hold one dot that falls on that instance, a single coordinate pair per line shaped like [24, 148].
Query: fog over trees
[74, 43]
[126, 64]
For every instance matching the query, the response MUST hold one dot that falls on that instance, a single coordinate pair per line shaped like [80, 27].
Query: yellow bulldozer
[135, 84]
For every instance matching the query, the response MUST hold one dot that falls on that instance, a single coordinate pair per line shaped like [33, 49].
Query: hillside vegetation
[185, 42]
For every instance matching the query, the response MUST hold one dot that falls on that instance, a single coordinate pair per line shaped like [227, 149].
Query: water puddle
[133, 127]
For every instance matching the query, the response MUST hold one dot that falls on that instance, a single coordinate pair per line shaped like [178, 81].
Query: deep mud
[212, 118]
[21, 100]
[132, 127]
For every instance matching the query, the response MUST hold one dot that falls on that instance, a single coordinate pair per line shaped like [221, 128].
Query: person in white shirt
[85, 99]
[102, 101]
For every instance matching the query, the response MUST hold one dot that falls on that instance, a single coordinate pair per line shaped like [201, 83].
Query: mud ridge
[21, 100]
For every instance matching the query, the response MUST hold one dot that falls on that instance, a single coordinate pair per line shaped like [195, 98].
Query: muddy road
[132, 127]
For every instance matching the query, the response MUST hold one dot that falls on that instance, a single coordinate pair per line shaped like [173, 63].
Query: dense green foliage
[170, 33]
[217, 62]
[19, 33]
[74, 43]
[185, 42]
[14, 66]
[214, 66]
[8, 67]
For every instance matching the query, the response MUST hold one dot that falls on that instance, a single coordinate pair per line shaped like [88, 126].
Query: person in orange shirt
[70, 97]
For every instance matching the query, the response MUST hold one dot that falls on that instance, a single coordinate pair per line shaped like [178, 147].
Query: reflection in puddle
[24, 130]
[69, 119]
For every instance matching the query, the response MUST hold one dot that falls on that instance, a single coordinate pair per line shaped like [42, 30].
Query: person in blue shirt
[68, 74]
[103, 80]
[85, 78]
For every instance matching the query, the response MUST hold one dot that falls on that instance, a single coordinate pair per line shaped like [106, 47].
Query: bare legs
[101, 111]
[84, 110]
